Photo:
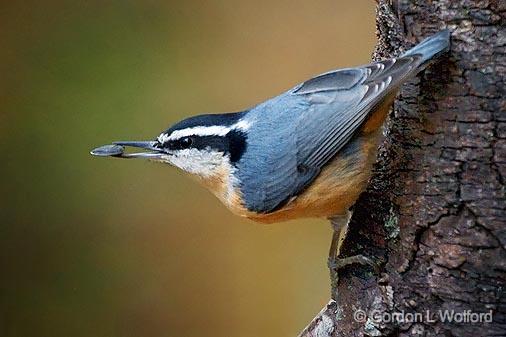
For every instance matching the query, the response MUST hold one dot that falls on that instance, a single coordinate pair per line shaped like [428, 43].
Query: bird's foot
[335, 264]
[338, 263]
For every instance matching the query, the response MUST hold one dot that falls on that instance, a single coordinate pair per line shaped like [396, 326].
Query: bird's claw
[335, 264]
[338, 263]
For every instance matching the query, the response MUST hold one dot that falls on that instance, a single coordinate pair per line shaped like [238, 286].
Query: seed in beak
[108, 150]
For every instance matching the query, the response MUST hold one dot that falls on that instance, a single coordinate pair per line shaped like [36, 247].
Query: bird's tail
[432, 47]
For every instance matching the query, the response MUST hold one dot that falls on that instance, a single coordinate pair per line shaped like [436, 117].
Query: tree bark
[434, 213]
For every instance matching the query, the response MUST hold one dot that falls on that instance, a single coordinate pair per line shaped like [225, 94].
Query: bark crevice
[434, 213]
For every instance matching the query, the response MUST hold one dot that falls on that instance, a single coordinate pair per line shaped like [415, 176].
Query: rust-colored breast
[336, 188]
[333, 192]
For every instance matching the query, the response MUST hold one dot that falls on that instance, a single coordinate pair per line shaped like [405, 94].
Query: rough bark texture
[434, 214]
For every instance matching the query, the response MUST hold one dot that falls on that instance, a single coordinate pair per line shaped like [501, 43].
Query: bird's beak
[117, 149]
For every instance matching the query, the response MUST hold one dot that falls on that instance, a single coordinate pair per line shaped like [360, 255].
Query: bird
[307, 152]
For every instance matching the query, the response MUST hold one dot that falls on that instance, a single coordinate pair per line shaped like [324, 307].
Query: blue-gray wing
[298, 132]
[337, 114]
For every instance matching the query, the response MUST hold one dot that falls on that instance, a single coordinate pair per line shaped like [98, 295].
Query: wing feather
[309, 125]
[341, 121]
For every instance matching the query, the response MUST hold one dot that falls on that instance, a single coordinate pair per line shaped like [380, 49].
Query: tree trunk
[434, 213]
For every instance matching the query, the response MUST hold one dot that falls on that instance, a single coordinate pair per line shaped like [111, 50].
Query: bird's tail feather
[432, 47]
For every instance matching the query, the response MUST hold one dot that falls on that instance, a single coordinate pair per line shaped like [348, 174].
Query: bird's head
[206, 146]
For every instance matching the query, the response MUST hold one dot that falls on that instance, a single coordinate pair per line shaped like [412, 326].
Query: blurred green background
[106, 247]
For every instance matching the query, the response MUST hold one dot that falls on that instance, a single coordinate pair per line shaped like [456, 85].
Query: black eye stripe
[233, 144]
[237, 145]
[186, 142]
[179, 144]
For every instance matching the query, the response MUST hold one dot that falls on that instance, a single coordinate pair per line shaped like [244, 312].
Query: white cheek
[200, 162]
[207, 164]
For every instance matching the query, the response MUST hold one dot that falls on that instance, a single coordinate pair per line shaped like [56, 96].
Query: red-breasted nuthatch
[305, 153]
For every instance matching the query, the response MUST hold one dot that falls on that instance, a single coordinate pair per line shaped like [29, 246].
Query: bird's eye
[186, 142]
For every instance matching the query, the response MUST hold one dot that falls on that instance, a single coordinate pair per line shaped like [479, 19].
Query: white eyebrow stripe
[241, 125]
[213, 130]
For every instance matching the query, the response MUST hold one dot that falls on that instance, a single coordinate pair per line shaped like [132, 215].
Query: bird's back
[295, 136]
